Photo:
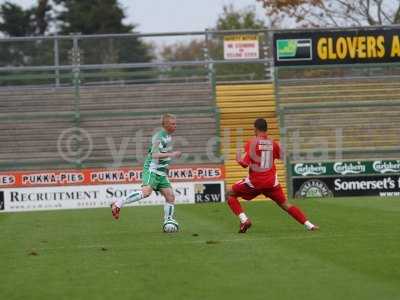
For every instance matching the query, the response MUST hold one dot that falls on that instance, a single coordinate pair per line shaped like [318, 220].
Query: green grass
[84, 254]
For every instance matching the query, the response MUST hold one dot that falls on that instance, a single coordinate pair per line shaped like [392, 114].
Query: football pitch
[85, 254]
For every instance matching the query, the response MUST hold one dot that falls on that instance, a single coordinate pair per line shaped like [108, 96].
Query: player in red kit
[259, 156]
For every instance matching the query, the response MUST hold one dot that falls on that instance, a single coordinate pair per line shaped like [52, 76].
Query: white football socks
[243, 218]
[308, 225]
[133, 197]
[169, 210]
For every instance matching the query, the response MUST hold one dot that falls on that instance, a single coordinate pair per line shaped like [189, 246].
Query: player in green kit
[155, 170]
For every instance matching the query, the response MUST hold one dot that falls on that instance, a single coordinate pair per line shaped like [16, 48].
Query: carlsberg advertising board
[346, 178]
[345, 168]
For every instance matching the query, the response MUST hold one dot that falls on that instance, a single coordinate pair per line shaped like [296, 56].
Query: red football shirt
[260, 154]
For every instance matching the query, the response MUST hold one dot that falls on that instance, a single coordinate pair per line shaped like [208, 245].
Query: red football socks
[235, 206]
[297, 214]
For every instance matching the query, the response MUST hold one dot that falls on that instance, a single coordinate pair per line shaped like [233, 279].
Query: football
[170, 226]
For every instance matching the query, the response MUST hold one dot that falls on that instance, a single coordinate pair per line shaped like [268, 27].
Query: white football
[170, 226]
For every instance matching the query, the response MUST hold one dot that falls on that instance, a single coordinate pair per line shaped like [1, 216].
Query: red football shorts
[244, 190]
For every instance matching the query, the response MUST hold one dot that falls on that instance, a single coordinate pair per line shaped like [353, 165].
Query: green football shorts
[154, 180]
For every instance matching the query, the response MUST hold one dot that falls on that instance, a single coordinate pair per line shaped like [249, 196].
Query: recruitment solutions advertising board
[90, 188]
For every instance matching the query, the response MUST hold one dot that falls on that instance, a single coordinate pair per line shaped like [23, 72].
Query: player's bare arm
[241, 158]
[157, 154]
[173, 154]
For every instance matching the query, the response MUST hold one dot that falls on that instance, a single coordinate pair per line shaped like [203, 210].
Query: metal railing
[78, 52]
[331, 113]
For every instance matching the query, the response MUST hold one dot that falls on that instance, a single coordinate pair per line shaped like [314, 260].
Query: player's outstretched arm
[173, 154]
[278, 151]
[241, 159]
[155, 152]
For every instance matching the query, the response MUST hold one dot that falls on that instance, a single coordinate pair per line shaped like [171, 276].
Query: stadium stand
[355, 118]
[240, 105]
[117, 118]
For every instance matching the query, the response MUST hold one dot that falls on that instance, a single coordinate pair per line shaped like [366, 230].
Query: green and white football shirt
[161, 142]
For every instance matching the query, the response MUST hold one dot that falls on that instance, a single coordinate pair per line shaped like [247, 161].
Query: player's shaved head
[168, 121]
[166, 117]
[261, 124]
